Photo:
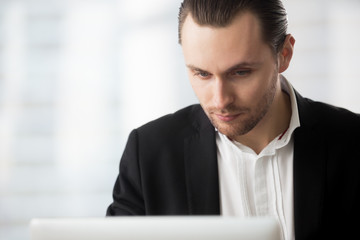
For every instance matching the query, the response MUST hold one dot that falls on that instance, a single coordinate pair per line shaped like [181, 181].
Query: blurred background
[76, 76]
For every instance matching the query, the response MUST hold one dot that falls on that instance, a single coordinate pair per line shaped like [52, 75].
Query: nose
[223, 93]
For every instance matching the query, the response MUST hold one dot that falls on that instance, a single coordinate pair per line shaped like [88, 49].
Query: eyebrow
[236, 66]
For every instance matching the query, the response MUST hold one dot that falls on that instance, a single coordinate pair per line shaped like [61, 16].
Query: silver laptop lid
[159, 228]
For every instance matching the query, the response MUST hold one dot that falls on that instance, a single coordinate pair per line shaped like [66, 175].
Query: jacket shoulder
[329, 120]
[173, 127]
[179, 119]
[332, 116]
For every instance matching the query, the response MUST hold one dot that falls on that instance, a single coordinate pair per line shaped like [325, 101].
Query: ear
[286, 53]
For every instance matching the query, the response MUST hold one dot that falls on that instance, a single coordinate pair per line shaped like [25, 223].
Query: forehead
[220, 47]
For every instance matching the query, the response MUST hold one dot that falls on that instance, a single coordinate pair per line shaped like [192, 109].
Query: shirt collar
[295, 120]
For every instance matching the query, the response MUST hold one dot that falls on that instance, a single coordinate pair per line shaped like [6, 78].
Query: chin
[231, 131]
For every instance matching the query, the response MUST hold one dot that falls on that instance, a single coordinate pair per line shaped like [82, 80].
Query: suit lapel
[309, 173]
[201, 168]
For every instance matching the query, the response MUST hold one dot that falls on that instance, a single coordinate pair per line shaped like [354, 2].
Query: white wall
[327, 51]
[76, 76]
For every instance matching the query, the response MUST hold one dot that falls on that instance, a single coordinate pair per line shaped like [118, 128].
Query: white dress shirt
[260, 184]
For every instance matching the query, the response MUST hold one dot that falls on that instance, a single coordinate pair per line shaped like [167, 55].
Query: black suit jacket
[169, 167]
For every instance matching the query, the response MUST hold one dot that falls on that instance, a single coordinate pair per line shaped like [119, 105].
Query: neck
[274, 123]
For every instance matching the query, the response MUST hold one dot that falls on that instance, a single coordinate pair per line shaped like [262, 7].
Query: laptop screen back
[159, 228]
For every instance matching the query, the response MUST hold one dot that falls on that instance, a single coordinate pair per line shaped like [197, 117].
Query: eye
[202, 74]
[241, 73]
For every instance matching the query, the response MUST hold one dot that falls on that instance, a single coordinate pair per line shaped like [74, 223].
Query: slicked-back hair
[220, 13]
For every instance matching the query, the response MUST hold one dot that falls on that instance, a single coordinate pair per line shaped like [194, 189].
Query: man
[254, 146]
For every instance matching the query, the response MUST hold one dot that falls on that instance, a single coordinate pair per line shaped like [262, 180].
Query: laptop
[159, 228]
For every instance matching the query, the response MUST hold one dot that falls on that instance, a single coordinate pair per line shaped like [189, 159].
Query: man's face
[232, 71]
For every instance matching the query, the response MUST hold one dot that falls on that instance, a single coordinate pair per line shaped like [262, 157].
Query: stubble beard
[248, 118]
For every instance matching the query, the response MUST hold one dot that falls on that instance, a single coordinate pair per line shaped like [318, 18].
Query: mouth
[227, 117]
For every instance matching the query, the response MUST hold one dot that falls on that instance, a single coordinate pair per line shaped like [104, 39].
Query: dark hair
[220, 13]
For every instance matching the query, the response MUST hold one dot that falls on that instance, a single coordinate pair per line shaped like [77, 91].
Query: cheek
[247, 93]
[251, 93]
[201, 91]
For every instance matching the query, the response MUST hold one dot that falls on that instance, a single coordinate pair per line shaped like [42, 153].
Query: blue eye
[242, 73]
[202, 74]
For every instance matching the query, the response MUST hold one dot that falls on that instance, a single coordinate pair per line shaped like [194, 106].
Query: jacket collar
[307, 114]
[309, 171]
[201, 166]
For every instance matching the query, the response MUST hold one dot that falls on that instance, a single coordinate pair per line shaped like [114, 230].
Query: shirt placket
[260, 188]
